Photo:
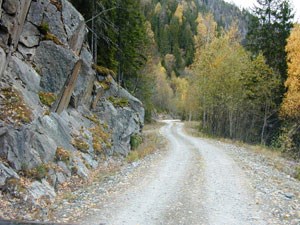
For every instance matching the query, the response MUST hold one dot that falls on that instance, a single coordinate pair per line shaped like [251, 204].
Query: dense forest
[237, 72]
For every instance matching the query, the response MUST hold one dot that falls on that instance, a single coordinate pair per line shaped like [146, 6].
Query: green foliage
[47, 98]
[268, 32]
[135, 141]
[44, 28]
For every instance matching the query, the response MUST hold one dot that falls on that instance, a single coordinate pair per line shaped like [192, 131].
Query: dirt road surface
[194, 182]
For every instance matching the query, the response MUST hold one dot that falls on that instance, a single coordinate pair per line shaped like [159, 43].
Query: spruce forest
[235, 71]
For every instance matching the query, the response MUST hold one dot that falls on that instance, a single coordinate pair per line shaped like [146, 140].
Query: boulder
[30, 36]
[90, 161]
[56, 128]
[0, 9]
[81, 169]
[124, 123]
[36, 11]
[36, 143]
[43, 189]
[19, 22]
[71, 17]
[2, 60]
[74, 25]
[27, 53]
[55, 64]
[26, 149]
[11, 6]
[5, 173]
[53, 18]
[25, 73]
[135, 103]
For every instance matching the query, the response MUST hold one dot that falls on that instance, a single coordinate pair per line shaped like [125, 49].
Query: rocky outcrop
[58, 115]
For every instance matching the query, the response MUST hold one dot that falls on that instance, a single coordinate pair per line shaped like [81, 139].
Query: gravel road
[194, 182]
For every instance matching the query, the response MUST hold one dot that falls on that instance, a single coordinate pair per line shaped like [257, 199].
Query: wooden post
[65, 95]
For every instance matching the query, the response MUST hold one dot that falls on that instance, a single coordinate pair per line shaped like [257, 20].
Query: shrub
[135, 141]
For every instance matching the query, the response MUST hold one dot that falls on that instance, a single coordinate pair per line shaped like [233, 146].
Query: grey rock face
[5, 173]
[53, 17]
[84, 87]
[11, 6]
[27, 53]
[124, 123]
[74, 25]
[26, 149]
[55, 128]
[72, 19]
[36, 11]
[135, 104]
[2, 59]
[30, 36]
[38, 190]
[82, 171]
[0, 10]
[26, 73]
[55, 63]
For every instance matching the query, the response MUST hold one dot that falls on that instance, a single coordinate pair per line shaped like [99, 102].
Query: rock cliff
[59, 113]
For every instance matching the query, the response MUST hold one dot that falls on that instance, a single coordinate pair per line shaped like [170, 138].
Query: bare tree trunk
[190, 116]
[262, 136]
[230, 124]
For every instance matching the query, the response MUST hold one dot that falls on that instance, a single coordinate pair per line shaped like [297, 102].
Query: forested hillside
[203, 60]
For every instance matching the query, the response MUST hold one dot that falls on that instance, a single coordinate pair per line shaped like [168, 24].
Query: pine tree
[269, 30]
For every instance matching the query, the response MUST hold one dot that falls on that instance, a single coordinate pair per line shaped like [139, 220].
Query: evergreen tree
[269, 30]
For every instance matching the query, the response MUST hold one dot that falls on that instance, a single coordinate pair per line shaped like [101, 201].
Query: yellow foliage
[291, 103]
[158, 8]
[206, 29]
[179, 13]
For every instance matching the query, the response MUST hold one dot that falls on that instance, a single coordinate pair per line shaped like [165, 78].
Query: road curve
[195, 182]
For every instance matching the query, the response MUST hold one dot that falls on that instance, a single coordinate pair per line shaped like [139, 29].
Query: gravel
[193, 181]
